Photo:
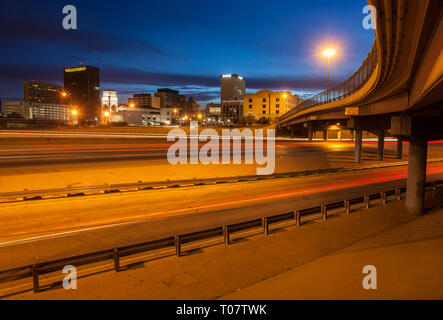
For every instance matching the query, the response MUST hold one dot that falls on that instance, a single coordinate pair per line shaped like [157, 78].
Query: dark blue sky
[142, 45]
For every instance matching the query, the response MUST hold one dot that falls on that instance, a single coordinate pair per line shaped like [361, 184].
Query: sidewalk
[317, 260]
[408, 260]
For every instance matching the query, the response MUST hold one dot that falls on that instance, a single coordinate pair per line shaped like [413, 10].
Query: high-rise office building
[144, 101]
[83, 87]
[171, 99]
[233, 89]
[42, 92]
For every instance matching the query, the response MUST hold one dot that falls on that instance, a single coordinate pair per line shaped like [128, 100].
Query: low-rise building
[145, 100]
[109, 100]
[144, 116]
[231, 110]
[39, 111]
[213, 111]
[269, 104]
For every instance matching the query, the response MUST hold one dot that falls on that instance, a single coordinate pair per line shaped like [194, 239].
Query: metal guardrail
[342, 90]
[177, 242]
[30, 195]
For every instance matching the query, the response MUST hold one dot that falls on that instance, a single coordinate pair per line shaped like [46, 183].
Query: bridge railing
[342, 90]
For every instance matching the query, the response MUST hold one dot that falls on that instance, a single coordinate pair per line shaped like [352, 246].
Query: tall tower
[233, 89]
[83, 85]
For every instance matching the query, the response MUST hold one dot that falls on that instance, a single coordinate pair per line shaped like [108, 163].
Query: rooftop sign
[75, 69]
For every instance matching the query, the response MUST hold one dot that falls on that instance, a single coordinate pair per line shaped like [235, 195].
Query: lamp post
[74, 114]
[329, 53]
[107, 115]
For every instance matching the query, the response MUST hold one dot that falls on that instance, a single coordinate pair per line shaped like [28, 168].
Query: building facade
[145, 101]
[171, 99]
[42, 92]
[144, 116]
[83, 87]
[16, 108]
[192, 107]
[268, 104]
[39, 111]
[109, 100]
[233, 89]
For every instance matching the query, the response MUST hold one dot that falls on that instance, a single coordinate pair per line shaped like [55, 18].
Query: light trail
[358, 181]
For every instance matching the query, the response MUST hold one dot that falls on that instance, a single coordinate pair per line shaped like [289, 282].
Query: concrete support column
[310, 134]
[339, 135]
[358, 145]
[325, 135]
[292, 132]
[415, 194]
[381, 145]
[400, 148]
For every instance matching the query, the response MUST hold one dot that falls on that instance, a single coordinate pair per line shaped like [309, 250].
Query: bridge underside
[402, 97]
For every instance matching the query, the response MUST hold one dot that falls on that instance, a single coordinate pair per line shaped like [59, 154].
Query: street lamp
[107, 114]
[329, 53]
[74, 113]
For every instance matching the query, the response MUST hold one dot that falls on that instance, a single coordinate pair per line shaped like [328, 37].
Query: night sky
[142, 45]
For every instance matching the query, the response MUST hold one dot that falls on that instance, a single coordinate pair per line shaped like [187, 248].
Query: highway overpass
[397, 90]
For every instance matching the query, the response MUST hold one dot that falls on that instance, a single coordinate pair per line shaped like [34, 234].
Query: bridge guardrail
[342, 90]
[176, 242]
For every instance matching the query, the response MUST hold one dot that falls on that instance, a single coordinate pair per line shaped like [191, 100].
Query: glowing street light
[329, 53]
[74, 112]
[132, 105]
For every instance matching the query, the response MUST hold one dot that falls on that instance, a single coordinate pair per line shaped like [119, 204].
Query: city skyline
[134, 58]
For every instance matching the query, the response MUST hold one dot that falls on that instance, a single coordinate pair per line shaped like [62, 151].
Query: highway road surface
[49, 229]
[36, 161]
[44, 230]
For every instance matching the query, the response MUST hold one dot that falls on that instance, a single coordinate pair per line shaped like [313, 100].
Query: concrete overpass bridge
[398, 90]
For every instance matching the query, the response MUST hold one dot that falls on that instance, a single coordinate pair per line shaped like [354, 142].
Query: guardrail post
[226, 234]
[297, 218]
[35, 278]
[398, 193]
[383, 198]
[116, 258]
[178, 248]
[265, 224]
[367, 201]
[324, 212]
[348, 206]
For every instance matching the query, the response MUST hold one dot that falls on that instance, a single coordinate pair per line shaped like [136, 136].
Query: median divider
[82, 191]
[224, 234]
